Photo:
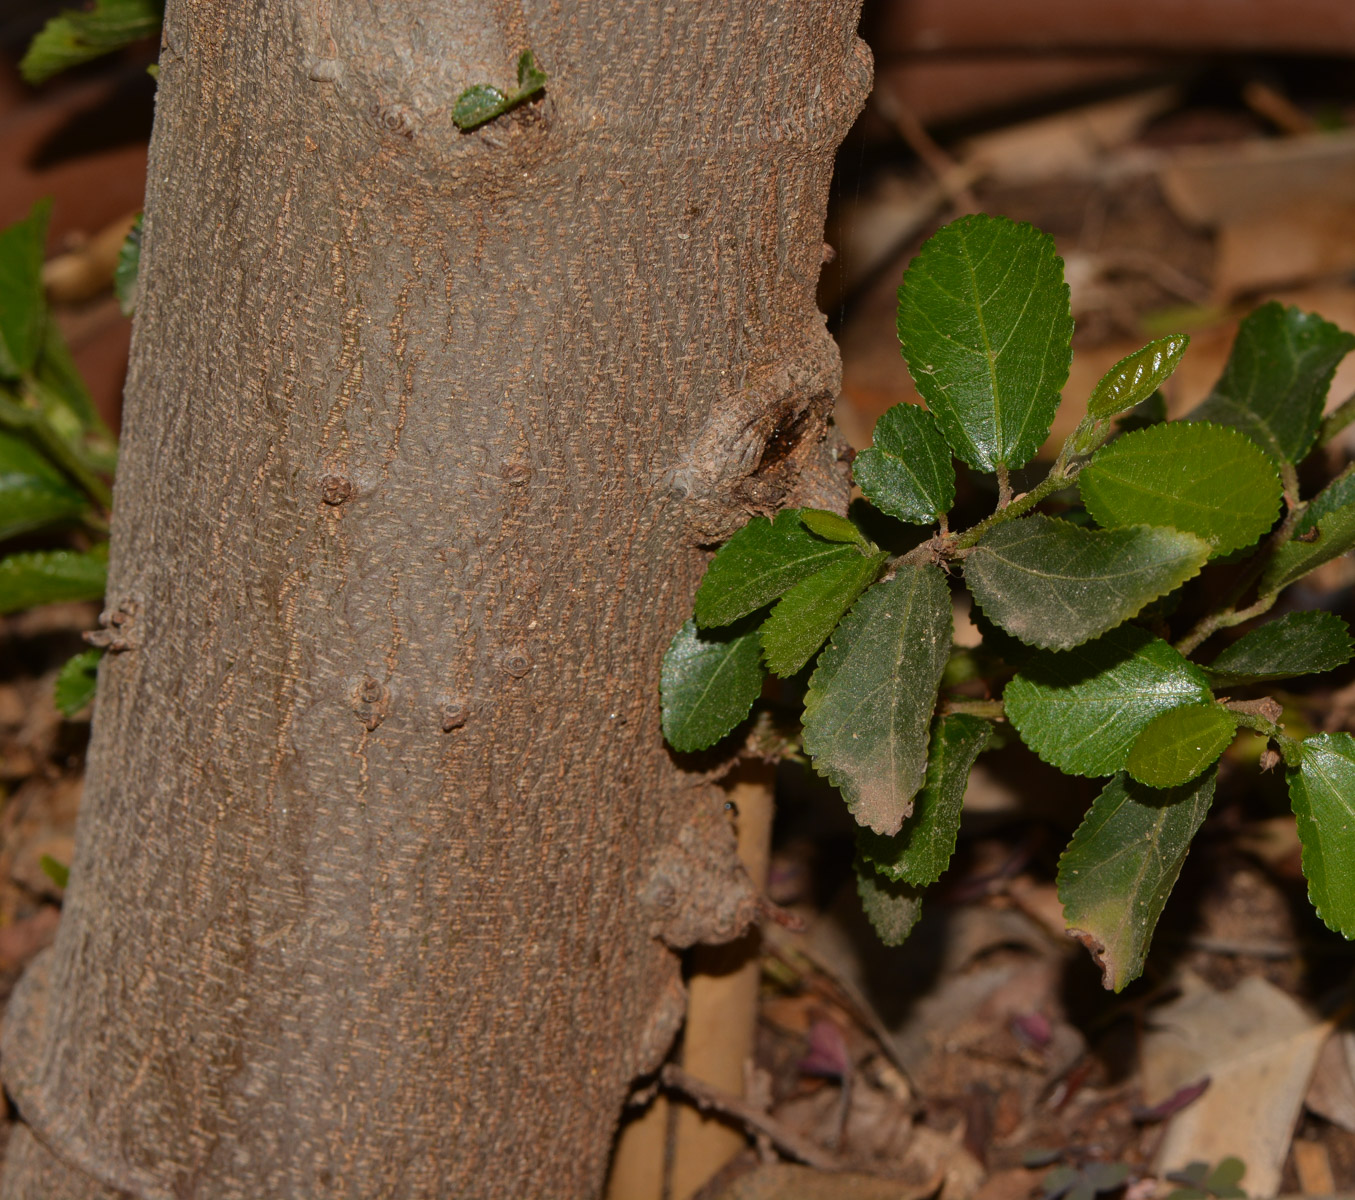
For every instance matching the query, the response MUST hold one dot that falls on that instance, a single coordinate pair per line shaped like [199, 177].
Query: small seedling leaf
[708, 684]
[479, 103]
[1137, 376]
[1225, 1179]
[1208, 480]
[1179, 745]
[1322, 792]
[77, 36]
[761, 562]
[921, 850]
[1333, 536]
[832, 528]
[907, 470]
[1055, 585]
[1121, 865]
[33, 492]
[129, 265]
[805, 616]
[531, 78]
[483, 102]
[869, 705]
[23, 306]
[76, 682]
[892, 907]
[984, 323]
[59, 873]
[1082, 710]
[1275, 382]
[1300, 643]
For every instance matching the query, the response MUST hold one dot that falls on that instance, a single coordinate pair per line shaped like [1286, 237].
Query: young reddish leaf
[907, 470]
[870, 699]
[985, 326]
[1137, 376]
[1121, 865]
[1208, 480]
[1055, 585]
[1178, 745]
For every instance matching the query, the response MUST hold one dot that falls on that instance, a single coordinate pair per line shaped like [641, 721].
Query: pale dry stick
[637, 1171]
[954, 178]
[710, 1099]
[722, 1001]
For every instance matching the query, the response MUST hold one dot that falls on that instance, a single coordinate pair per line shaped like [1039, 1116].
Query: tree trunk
[382, 857]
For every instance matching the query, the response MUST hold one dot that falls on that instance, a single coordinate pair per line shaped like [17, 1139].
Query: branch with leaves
[1077, 605]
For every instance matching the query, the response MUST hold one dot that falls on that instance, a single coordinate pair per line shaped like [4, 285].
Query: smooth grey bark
[382, 857]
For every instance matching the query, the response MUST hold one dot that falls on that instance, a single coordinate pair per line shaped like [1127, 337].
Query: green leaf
[1180, 744]
[985, 326]
[869, 704]
[1121, 865]
[1082, 710]
[1055, 585]
[59, 873]
[1334, 536]
[761, 562]
[23, 306]
[479, 103]
[1336, 495]
[1275, 382]
[907, 469]
[129, 265]
[76, 36]
[1300, 643]
[921, 850]
[1136, 377]
[33, 492]
[1322, 792]
[531, 78]
[1208, 480]
[707, 685]
[483, 102]
[49, 577]
[805, 616]
[76, 682]
[833, 528]
[893, 908]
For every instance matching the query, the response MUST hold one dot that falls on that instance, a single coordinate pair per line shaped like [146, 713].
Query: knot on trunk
[697, 890]
[762, 441]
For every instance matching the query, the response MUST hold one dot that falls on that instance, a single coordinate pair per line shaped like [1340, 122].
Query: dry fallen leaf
[1259, 1048]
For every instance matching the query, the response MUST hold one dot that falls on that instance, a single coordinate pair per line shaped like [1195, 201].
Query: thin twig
[709, 1099]
[953, 177]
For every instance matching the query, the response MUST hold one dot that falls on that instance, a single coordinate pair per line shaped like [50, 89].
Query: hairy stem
[1209, 625]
